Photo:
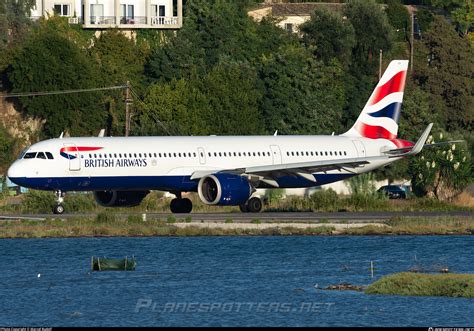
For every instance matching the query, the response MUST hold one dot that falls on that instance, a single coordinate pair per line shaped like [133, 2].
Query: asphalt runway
[269, 217]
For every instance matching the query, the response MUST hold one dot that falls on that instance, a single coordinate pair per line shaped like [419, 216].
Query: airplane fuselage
[167, 163]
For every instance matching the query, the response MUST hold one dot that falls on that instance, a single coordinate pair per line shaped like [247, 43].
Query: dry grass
[419, 226]
[108, 225]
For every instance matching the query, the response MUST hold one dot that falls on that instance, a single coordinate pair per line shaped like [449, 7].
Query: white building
[122, 14]
[290, 15]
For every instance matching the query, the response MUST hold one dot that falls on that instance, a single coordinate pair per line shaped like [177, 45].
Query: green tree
[14, 20]
[119, 59]
[223, 101]
[373, 33]
[462, 13]
[172, 108]
[7, 149]
[233, 100]
[213, 30]
[49, 61]
[441, 172]
[399, 19]
[329, 36]
[301, 95]
[448, 75]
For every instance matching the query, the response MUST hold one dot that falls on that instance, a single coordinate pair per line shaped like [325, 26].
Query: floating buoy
[39, 275]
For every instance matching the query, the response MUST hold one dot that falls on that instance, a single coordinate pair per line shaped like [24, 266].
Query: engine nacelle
[224, 189]
[119, 198]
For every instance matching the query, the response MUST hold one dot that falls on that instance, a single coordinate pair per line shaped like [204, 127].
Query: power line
[33, 94]
[137, 97]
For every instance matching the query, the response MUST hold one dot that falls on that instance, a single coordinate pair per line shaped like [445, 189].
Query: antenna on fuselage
[61, 135]
[276, 133]
[101, 133]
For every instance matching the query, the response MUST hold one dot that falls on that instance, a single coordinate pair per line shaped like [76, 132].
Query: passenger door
[359, 145]
[202, 155]
[276, 154]
[73, 156]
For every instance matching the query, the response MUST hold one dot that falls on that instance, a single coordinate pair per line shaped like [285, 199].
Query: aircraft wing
[269, 173]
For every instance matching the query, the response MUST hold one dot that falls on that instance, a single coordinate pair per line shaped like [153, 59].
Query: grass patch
[418, 226]
[106, 224]
[416, 284]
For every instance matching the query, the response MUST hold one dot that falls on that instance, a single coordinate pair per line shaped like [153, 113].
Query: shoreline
[134, 226]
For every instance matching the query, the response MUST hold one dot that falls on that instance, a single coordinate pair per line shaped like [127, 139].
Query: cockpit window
[41, 156]
[23, 152]
[30, 155]
[49, 155]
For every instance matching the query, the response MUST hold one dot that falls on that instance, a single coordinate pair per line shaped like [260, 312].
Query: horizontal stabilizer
[398, 151]
[416, 148]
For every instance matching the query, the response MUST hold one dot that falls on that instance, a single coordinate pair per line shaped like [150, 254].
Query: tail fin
[379, 118]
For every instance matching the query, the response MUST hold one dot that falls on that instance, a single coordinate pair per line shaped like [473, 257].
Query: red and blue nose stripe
[75, 149]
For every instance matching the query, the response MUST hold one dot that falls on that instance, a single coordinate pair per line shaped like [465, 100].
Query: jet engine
[224, 189]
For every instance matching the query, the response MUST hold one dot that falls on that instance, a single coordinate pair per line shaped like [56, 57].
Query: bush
[38, 202]
[274, 195]
[79, 202]
[360, 201]
[134, 219]
[327, 200]
[105, 218]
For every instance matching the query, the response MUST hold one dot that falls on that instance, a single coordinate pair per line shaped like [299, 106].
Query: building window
[128, 14]
[62, 10]
[289, 27]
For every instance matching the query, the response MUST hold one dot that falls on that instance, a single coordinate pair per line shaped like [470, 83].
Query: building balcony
[136, 22]
[124, 22]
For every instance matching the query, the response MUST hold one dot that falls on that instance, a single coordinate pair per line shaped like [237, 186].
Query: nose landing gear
[58, 208]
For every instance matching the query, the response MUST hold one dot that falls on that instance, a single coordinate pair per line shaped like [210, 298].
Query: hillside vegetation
[225, 74]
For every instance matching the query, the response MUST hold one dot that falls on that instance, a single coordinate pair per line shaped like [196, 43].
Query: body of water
[226, 281]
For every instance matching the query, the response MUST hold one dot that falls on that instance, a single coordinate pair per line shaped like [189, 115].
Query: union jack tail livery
[379, 118]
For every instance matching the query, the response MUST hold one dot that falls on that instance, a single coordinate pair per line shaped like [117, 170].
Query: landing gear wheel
[254, 205]
[244, 208]
[186, 206]
[58, 209]
[181, 206]
[174, 206]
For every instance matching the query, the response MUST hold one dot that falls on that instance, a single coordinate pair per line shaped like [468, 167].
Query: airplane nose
[14, 173]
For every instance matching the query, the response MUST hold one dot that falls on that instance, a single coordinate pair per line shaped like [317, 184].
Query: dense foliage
[224, 73]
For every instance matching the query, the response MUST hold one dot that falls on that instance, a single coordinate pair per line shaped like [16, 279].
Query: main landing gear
[253, 205]
[181, 205]
[58, 208]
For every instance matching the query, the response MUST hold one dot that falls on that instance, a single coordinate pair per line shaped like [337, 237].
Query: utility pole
[128, 101]
[380, 64]
[411, 41]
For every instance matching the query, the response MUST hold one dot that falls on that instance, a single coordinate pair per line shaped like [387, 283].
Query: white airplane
[223, 170]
